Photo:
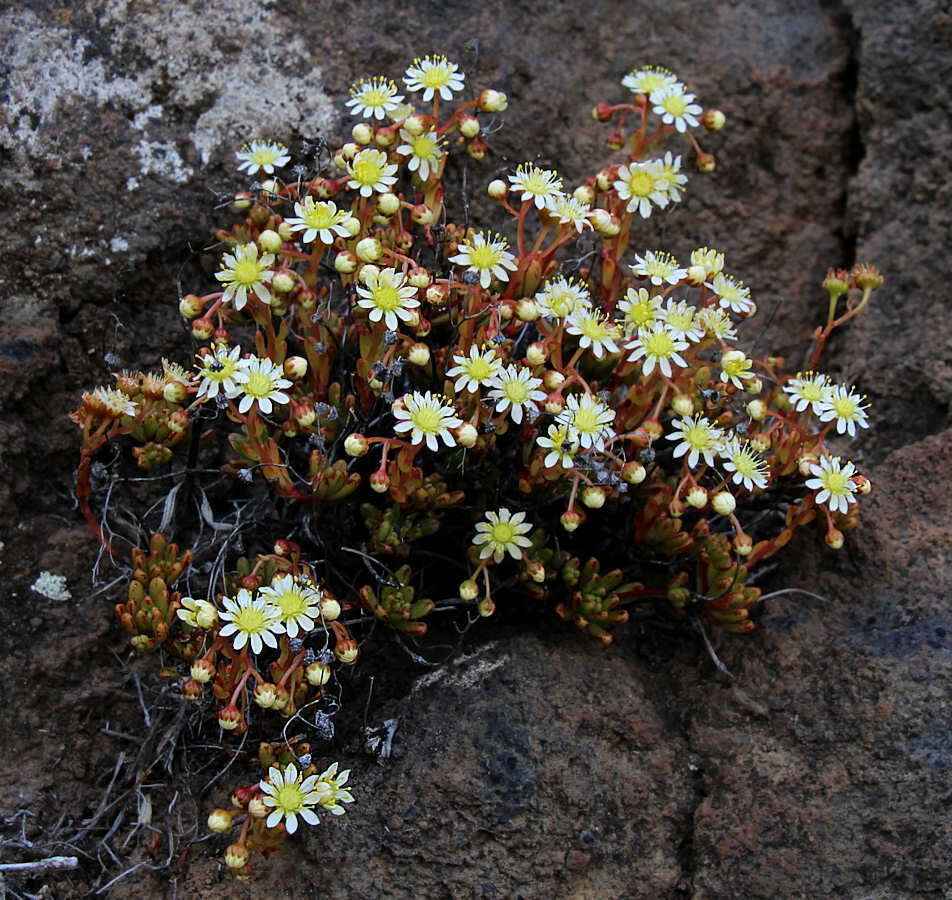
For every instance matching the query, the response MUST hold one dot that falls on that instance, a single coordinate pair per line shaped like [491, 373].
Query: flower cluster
[414, 407]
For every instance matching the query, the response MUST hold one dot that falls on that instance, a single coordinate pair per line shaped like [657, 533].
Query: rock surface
[540, 765]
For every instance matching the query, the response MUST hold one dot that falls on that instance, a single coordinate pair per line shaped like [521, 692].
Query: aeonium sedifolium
[444, 409]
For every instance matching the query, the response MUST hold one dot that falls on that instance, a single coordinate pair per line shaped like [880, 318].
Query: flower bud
[317, 674]
[422, 214]
[837, 282]
[385, 136]
[697, 497]
[602, 112]
[221, 820]
[527, 310]
[834, 538]
[202, 329]
[584, 194]
[202, 671]
[536, 571]
[536, 352]
[415, 125]
[554, 405]
[867, 277]
[743, 545]
[330, 609]
[241, 201]
[605, 223]
[380, 482]
[683, 405]
[633, 472]
[345, 263]
[295, 367]
[257, 808]
[356, 445]
[497, 189]
[230, 718]
[241, 796]
[697, 275]
[270, 241]
[723, 503]
[706, 162]
[419, 278]
[346, 651]
[190, 306]
[281, 697]
[192, 690]
[419, 355]
[369, 249]
[603, 181]
[713, 119]
[760, 442]
[362, 133]
[593, 497]
[270, 186]
[351, 225]
[468, 590]
[653, 429]
[493, 101]
[757, 410]
[804, 463]
[236, 856]
[265, 694]
[863, 484]
[349, 151]
[436, 295]
[552, 379]
[571, 519]
[174, 392]
[283, 281]
[466, 435]
[477, 148]
[469, 126]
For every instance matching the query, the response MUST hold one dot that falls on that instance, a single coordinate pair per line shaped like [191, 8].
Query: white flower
[658, 266]
[434, 74]
[479, 368]
[716, 323]
[250, 620]
[681, 320]
[731, 294]
[427, 417]
[588, 420]
[424, 151]
[833, 481]
[289, 796]
[218, 371]
[671, 172]
[109, 402]
[370, 171]
[373, 98]
[845, 408]
[675, 106]
[197, 613]
[330, 789]
[266, 155]
[502, 532]
[736, 367]
[696, 437]
[562, 448]
[596, 331]
[648, 79]
[261, 382]
[319, 218]
[487, 255]
[712, 261]
[570, 211]
[387, 295]
[748, 468]
[536, 185]
[808, 390]
[297, 602]
[515, 386]
[639, 308]
[242, 271]
[643, 185]
[659, 347]
[561, 297]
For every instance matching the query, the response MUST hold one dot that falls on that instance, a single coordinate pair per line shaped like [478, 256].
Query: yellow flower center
[812, 391]
[263, 155]
[586, 421]
[536, 184]
[659, 343]
[435, 76]
[291, 603]
[374, 97]
[675, 104]
[844, 407]
[640, 183]
[736, 367]
[698, 437]
[502, 532]
[251, 620]
[835, 483]
[246, 272]
[367, 172]
[424, 147]
[319, 216]
[289, 798]
[479, 369]
[386, 297]
[652, 82]
[484, 257]
[745, 464]
[640, 313]
[594, 329]
[258, 384]
[428, 420]
[681, 320]
[516, 391]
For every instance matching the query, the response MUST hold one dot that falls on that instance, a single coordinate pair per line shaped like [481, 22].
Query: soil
[537, 764]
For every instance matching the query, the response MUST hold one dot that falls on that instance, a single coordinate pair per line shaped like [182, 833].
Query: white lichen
[51, 586]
